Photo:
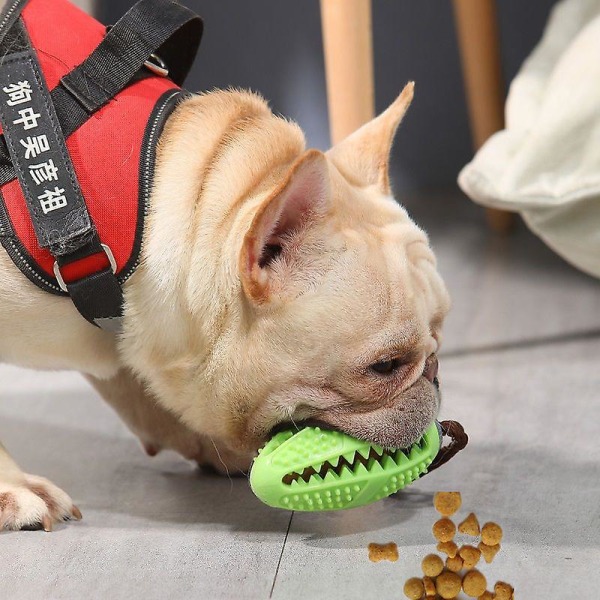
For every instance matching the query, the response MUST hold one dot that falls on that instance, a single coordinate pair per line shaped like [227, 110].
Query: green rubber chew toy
[316, 469]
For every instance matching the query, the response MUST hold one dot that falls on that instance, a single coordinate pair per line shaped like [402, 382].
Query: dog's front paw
[34, 503]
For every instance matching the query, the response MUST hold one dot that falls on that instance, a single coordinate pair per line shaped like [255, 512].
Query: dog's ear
[301, 199]
[363, 157]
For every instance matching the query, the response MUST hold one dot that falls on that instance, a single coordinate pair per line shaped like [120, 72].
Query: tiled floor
[520, 372]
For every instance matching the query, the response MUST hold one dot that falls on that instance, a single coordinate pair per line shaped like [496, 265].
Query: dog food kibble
[379, 552]
[432, 565]
[454, 564]
[429, 586]
[470, 526]
[474, 584]
[447, 503]
[448, 584]
[443, 530]
[503, 591]
[448, 548]
[470, 556]
[491, 534]
[414, 588]
[489, 552]
[445, 580]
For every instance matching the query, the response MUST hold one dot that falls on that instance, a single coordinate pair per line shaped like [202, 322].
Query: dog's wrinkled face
[308, 294]
[345, 304]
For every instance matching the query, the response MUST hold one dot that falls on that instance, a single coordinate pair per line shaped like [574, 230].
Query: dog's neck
[179, 304]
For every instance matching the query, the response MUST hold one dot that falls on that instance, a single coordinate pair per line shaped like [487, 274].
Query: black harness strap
[11, 12]
[61, 221]
[160, 27]
[151, 27]
[52, 193]
[59, 215]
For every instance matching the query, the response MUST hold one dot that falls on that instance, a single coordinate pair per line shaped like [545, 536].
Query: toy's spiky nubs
[315, 469]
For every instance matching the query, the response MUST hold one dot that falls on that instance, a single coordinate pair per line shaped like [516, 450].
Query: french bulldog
[277, 285]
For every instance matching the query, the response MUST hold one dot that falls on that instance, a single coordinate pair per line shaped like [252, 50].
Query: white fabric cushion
[546, 163]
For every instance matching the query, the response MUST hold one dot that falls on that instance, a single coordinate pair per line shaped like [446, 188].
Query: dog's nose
[431, 368]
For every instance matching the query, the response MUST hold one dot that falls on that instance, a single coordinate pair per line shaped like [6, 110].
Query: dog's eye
[387, 367]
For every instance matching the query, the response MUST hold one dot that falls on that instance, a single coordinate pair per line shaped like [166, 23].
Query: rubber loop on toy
[459, 439]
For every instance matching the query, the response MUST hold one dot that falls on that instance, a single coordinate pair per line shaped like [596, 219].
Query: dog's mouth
[430, 371]
[299, 425]
[393, 426]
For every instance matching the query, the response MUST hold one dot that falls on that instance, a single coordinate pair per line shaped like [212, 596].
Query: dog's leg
[159, 429]
[28, 501]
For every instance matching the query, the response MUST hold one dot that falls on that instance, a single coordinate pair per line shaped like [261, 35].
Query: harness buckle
[61, 281]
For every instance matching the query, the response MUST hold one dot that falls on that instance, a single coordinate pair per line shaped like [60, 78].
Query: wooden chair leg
[348, 48]
[479, 43]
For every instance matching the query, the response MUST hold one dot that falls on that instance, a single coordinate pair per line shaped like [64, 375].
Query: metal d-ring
[157, 65]
[61, 281]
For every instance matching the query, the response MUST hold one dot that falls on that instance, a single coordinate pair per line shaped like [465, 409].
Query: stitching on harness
[8, 15]
[149, 150]
[29, 268]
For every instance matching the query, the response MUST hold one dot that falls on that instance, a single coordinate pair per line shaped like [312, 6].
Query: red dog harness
[81, 108]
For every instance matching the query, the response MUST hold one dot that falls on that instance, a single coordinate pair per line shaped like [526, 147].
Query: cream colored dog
[277, 285]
